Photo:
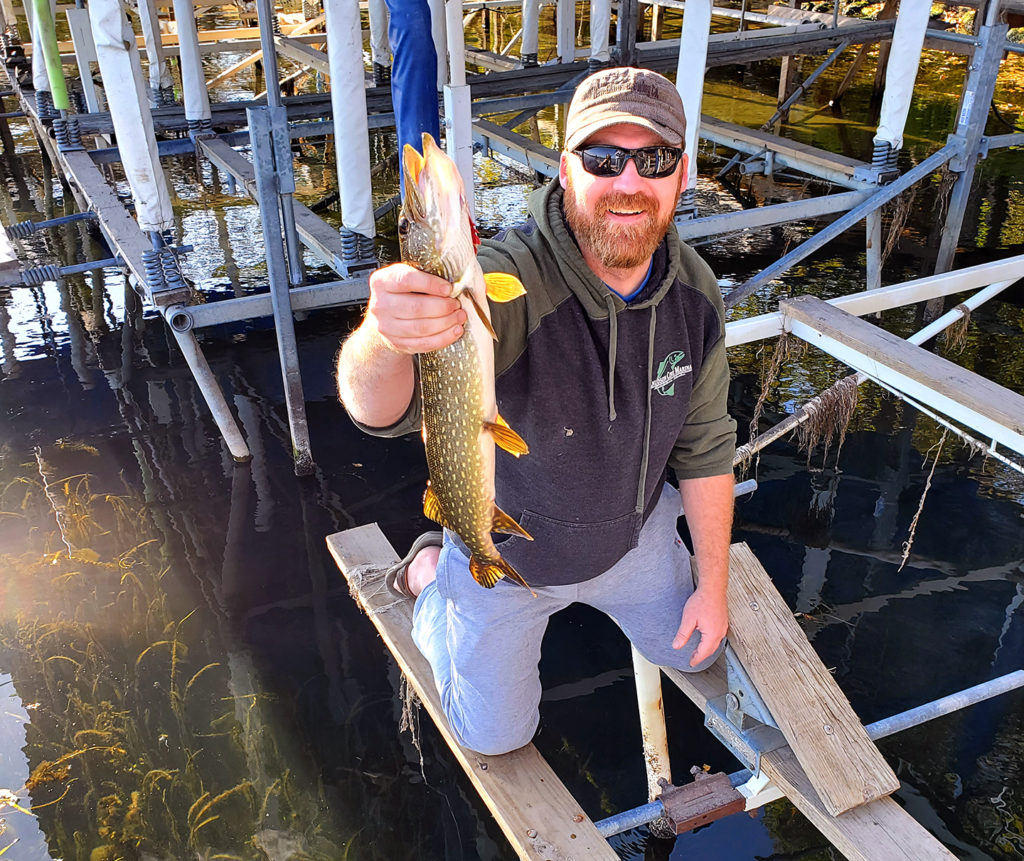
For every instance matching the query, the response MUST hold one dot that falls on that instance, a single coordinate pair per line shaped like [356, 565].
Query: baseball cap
[625, 95]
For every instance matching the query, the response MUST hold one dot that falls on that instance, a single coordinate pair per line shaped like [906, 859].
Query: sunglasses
[652, 162]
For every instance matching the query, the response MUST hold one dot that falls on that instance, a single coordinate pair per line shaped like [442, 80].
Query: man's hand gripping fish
[461, 424]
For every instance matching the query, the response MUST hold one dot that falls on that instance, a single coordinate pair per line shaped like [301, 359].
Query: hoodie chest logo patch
[670, 369]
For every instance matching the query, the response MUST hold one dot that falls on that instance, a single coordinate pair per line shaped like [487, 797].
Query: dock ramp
[826, 762]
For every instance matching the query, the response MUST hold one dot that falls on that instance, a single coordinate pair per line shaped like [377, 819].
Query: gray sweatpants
[484, 644]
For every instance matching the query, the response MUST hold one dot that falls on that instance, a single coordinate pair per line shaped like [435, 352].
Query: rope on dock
[367, 581]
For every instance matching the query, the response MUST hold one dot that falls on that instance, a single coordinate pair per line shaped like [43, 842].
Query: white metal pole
[160, 81]
[693, 54]
[904, 59]
[439, 30]
[531, 28]
[348, 102]
[600, 27]
[458, 119]
[565, 25]
[652, 723]
[193, 82]
[380, 47]
[121, 70]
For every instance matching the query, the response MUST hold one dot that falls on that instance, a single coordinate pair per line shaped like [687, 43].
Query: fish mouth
[413, 204]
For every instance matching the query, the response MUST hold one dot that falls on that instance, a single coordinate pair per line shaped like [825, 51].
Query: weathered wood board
[521, 790]
[879, 830]
[989, 408]
[827, 737]
[315, 233]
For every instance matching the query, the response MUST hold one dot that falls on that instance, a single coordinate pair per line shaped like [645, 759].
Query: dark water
[183, 673]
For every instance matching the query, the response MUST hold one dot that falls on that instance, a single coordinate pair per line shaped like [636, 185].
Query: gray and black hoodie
[607, 395]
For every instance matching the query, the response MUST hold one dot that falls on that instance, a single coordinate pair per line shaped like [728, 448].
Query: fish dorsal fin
[502, 287]
[481, 313]
[432, 507]
[504, 524]
[505, 437]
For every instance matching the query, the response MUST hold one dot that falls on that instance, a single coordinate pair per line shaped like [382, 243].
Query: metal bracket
[708, 798]
[740, 719]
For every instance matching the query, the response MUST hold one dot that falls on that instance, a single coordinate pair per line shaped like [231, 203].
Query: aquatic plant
[137, 745]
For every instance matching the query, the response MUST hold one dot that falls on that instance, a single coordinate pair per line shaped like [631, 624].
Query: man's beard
[617, 246]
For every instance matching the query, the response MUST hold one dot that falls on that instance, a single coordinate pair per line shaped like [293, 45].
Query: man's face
[619, 220]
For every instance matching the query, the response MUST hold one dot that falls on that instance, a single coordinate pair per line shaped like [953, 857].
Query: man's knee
[493, 738]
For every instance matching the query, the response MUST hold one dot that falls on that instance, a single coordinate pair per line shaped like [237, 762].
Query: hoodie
[609, 396]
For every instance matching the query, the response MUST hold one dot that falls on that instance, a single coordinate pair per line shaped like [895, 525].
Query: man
[613, 369]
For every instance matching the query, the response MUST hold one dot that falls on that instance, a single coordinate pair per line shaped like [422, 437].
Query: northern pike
[461, 424]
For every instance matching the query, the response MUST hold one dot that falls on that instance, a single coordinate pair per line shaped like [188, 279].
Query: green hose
[43, 20]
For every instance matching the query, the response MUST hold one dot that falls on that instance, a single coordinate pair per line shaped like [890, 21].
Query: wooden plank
[490, 60]
[782, 146]
[955, 391]
[118, 226]
[879, 830]
[839, 759]
[304, 54]
[520, 789]
[516, 146]
[258, 55]
[314, 232]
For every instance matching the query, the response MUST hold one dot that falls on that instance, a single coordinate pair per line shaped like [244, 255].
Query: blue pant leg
[413, 71]
[484, 647]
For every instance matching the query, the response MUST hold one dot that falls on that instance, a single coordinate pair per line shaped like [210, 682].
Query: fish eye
[403, 226]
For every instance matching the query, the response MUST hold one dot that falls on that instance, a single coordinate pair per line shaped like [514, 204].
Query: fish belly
[460, 455]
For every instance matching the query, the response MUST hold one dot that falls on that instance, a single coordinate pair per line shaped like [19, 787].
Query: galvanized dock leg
[212, 394]
[269, 25]
[655, 736]
[873, 248]
[970, 128]
[272, 159]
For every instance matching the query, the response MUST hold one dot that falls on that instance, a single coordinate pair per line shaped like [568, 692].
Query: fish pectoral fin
[505, 524]
[487, 573]
[432, 507]
[505, 437]
[481, 313]
[502, 287]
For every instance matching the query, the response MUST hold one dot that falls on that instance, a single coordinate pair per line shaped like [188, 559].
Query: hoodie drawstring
[645, 456]
[613, 349]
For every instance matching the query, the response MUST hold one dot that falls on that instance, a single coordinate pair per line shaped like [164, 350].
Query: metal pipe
[652, 723]
[213, 395]
[27, 228]
[638, 816]
[844, 222]
[630, 819]
[810, 79]
[43, 19]
[266, 16]
[930, 331]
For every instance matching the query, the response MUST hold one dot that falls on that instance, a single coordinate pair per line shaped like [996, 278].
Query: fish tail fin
[487, 572]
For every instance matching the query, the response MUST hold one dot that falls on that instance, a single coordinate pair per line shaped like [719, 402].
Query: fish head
[435, 230]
